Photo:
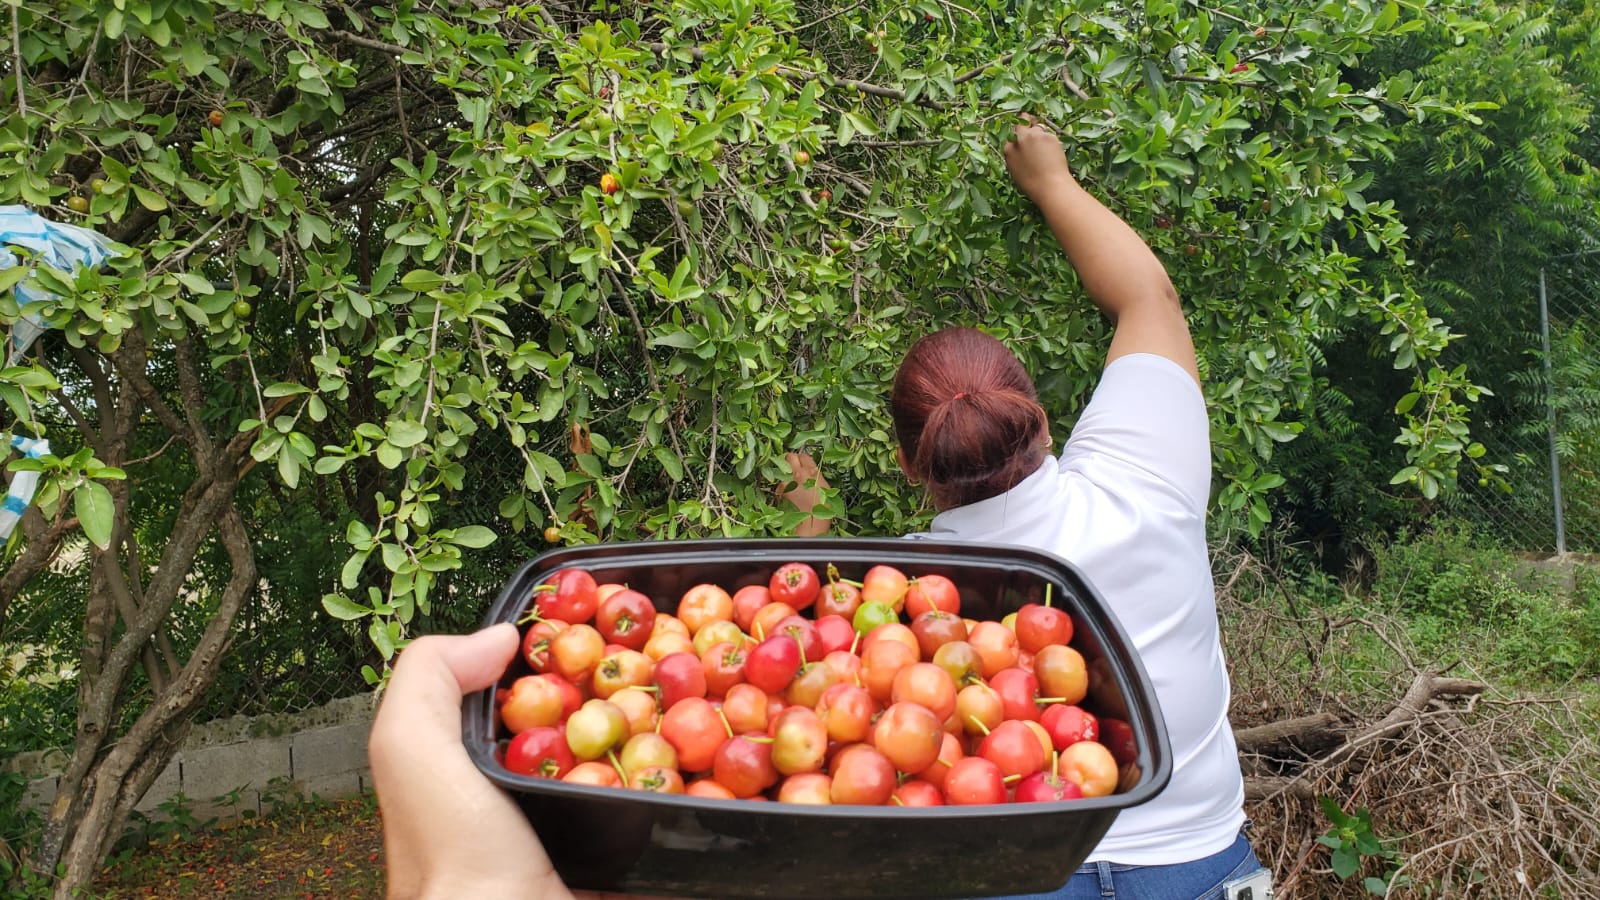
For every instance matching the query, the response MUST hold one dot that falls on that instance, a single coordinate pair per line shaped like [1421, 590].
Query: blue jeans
[1201, 879]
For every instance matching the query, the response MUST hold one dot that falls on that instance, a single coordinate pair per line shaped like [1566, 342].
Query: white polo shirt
[1126, 503]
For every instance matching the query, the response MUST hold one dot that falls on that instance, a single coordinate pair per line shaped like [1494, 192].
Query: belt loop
[1107, 889]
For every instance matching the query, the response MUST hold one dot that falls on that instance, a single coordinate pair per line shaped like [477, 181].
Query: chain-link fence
[285, 653]
[1544, 422]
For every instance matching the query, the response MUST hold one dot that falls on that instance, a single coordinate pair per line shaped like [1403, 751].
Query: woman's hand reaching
[1036, 161]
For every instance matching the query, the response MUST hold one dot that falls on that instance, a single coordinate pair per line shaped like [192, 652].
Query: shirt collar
[986, 516]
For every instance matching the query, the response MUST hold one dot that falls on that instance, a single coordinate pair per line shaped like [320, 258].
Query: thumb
[477, 660]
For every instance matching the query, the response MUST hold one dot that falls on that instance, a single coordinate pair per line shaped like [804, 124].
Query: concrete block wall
[224, 768]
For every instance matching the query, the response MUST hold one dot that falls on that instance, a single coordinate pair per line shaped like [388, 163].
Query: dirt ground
[314, 849]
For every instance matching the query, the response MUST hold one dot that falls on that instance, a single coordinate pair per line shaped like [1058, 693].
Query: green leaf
[381, 638]
[91, 502]
[149, 199]
[250, 184]
[405, 433]
[421, 280]
[343, 609]
[1346, 861]
[350, 573]
[682, 340]
[474, 536]
[670, 462]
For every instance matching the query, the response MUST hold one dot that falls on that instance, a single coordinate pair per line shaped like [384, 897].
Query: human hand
[805, 491]
[447, 830]
[1036, 160]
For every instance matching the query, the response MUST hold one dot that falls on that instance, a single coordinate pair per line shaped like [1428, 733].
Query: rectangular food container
[638, 842]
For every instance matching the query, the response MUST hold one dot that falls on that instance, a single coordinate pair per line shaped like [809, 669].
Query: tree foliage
[642, 249]
[1488, 203]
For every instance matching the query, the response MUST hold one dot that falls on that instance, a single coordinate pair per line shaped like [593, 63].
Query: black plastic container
[680, 846]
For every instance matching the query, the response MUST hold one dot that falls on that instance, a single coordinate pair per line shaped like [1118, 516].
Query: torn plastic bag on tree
[59, 246]
[56, 244]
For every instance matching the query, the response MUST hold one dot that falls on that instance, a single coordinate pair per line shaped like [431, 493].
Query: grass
[305, 849]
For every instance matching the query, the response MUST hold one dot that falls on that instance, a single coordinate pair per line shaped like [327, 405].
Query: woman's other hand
[804, 491]
[1036, 160]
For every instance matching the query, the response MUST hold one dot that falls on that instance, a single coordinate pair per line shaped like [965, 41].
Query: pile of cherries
[804, 691]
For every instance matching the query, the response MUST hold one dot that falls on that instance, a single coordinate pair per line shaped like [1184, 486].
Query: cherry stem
[725, 726]
[1046, 701]
[802, 647]
[617, 764]
[1012, 779]
[855, 642]
[981, 727]
[855, 584]
[833, 574]
[758, 739]
[896, 800]
[947, 763]
[761, 633]
[1047, 588]
[1055, 763]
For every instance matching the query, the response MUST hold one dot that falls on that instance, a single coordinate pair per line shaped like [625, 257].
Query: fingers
[422, 706]
[435, 672]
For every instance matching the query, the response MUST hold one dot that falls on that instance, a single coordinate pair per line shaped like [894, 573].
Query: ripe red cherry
[861, 775]
[885, 584]
[540, 752]
[626, 617]
[838, 598]
[917, 792]
[803, 631]
[743, 765]
[696, 731]
[723, 664]
[974, 780]
[679, 676]
[927, 592]
[935, 628]
[1067, 725]
[1014, 748]
[568, 595]
[836, 633]
[909, 736]
[1040, 626]
[773, 664]
[1019, 693]
[747, 601]
[795, 584]
[1043, 787]
[1117, 735]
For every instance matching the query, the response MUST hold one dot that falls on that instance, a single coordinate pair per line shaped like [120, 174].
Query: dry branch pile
[1475, 790]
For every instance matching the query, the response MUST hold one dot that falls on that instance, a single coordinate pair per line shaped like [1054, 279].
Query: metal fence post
[1550, 414]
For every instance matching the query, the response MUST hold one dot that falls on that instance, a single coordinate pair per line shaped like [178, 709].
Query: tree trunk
[109, 771]
[117, 782]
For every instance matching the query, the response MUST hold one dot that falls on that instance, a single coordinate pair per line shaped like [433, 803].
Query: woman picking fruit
[1125, 502]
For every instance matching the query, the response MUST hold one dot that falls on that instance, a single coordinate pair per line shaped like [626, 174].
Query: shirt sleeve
[1148, 414]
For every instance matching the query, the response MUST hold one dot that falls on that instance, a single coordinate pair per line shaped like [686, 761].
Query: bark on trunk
[109, 771]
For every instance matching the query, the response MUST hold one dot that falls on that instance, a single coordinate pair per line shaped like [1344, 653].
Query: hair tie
[958, 396]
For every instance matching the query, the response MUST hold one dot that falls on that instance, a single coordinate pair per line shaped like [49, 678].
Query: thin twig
[835, 14]
[369, 43]
[970, 74]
